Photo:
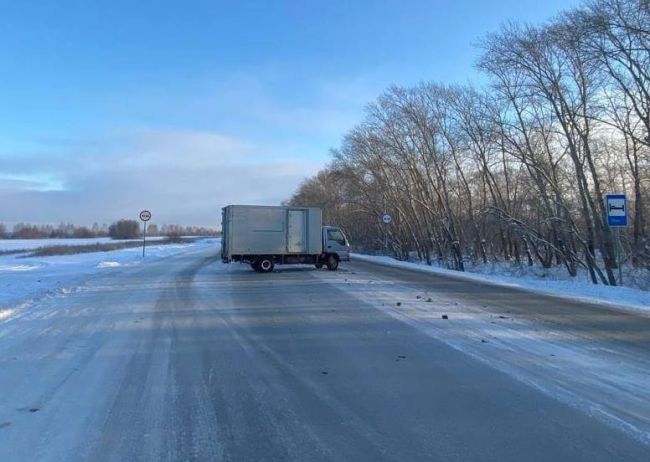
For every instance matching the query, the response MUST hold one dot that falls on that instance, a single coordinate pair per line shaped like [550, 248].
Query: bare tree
[515, 171]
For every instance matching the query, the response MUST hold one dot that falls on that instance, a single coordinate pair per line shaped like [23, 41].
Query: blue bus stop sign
[616, 209]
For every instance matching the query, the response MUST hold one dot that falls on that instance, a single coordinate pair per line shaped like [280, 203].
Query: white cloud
[264, 146]
[30, 182]
[206, 148]
[182, 176]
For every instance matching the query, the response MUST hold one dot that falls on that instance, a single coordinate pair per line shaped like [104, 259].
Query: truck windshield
[335, 235]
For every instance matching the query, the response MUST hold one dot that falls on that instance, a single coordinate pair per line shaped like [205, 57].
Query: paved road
[186, 359]
[597, 322]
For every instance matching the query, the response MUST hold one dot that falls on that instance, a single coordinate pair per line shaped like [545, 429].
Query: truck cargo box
[269, 230]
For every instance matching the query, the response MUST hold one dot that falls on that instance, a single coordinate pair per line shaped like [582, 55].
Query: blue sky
[107, 107]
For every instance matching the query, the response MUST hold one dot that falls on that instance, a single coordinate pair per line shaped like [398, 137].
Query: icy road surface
[184, 358]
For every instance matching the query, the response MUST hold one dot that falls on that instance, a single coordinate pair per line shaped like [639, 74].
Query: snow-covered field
[29, 244]
[553, 284]
[25, 280]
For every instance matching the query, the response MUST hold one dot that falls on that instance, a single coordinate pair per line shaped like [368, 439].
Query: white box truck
[265, 236]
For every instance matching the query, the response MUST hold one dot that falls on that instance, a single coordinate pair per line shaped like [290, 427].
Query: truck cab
[335, 242]
[336, 248]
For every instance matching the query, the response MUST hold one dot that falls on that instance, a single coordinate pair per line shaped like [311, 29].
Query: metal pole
[144, 238]
[618, 257]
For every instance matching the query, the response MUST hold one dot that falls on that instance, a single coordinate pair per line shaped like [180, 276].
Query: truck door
[297, 231]
[337, 243]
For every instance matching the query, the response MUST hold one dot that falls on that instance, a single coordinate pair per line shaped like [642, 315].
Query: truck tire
[332, 263]
[318, 265]
[265, 264]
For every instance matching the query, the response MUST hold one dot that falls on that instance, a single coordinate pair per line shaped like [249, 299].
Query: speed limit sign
[145, 216]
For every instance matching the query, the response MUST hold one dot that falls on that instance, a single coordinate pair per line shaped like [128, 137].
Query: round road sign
[386, 218]
[145, 215]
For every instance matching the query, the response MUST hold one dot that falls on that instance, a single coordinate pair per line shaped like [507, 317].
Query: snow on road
[191, 359]
[624, 297]
[186, 358]
[24, 280]
[594, 371]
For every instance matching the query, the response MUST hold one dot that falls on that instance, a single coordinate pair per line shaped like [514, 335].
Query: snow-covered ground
[30, 244]
[24, 280]
[544, 282]
[115, 352]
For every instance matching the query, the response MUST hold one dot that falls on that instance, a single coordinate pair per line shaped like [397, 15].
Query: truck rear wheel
[265, 264]
[332, 263]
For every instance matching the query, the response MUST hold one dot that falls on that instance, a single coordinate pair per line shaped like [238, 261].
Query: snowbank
[624, 297]
[109, 264]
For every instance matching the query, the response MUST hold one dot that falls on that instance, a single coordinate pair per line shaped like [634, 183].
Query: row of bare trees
[517, 170]
[62, 231]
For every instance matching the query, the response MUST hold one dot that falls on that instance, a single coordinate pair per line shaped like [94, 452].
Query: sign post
[145, 216]
[387, 220]
[616, 210]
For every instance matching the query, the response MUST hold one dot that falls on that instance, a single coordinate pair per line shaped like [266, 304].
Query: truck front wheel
[332, 263]
[318, 265]
[265, 264]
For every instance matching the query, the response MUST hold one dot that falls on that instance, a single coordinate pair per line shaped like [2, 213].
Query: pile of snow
[545, 282]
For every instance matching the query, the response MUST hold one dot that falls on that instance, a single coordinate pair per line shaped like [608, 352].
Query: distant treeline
[121, 229]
